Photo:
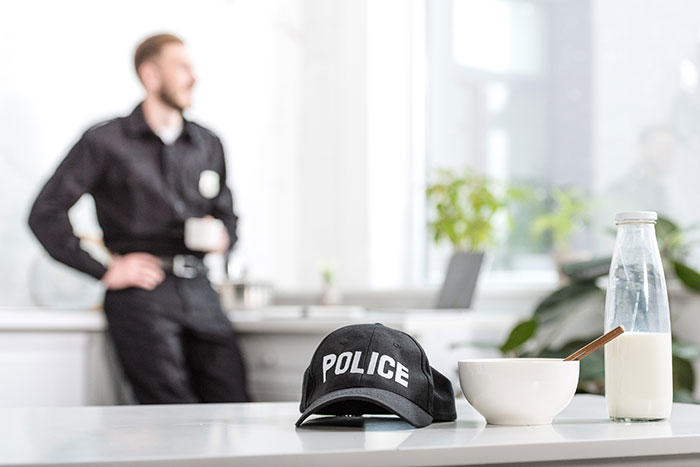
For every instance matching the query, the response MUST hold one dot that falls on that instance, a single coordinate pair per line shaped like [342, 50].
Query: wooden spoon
[595, 345]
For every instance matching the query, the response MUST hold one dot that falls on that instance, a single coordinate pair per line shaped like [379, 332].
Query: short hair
[151, 47]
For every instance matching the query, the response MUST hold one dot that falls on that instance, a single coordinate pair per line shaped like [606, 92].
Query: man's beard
[168, 99]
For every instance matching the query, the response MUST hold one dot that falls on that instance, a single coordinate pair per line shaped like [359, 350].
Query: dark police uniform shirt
[143, 190]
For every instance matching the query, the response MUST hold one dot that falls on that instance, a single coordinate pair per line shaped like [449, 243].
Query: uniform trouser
[175, 344]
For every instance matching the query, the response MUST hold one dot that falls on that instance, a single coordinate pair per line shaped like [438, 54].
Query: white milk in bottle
[638, 376]
[638, 372]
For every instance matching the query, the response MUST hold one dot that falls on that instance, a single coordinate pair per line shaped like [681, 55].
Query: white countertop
[289, 317]
[264, 434]
[285, 319]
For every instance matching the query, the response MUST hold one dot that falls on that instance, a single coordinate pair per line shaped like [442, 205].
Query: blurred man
[149, 172]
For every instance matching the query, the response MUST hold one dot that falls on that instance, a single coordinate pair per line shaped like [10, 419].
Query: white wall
[333, 209]
[357, 149]
[395, 141]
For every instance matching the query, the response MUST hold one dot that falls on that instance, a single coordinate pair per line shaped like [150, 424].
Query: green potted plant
[330, 293]
[569, 214]
[464, 208]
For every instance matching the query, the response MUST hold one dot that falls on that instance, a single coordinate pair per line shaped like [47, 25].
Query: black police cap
[368, 369]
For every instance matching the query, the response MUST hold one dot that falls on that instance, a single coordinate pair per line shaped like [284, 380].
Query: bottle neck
[636, 223]
[636, 233]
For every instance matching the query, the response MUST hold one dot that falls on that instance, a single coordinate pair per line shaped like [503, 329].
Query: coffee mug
[203, 233]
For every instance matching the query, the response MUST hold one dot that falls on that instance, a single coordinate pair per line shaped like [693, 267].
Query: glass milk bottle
[638, 373]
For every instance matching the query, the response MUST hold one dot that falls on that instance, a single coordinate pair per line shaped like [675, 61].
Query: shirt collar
[136, 125]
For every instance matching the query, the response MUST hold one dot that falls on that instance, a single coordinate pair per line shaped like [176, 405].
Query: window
[507, 98]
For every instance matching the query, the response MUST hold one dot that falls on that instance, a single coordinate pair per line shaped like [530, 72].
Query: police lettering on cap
[385, 367]
[372, 369]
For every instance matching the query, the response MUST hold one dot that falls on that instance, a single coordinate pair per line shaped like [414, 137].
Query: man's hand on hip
[140, 270]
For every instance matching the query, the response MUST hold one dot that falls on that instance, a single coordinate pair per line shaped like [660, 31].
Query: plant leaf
[564, 294]
[686, 350]
[684, 396]
[683, 374]
[519, 335]
[592, 367]
[687, 275]
[587, 270]
[665, 226]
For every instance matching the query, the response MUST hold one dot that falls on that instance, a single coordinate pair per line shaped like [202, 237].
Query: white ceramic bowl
[518, 391]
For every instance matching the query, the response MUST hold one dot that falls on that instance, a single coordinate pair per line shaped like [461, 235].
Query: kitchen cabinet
[49, 368]
[63, 358]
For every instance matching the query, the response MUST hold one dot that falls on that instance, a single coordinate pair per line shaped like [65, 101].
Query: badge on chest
[209, 184]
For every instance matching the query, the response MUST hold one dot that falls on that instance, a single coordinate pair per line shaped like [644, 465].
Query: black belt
[184, 266]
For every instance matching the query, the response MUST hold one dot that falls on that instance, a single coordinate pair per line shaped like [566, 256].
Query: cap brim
[388, 400]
